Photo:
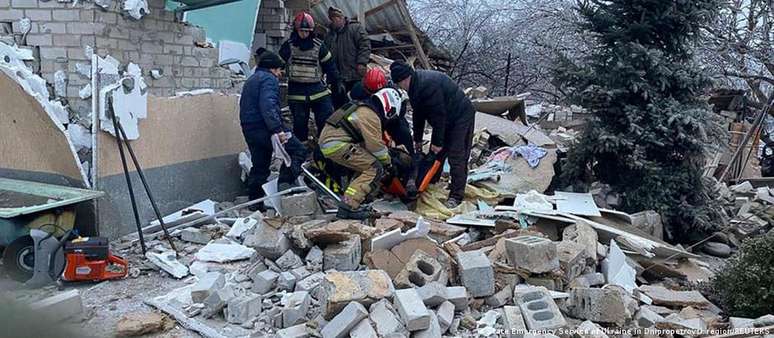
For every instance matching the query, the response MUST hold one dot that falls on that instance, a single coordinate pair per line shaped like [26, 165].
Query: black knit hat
[400, 70]
[270, 60]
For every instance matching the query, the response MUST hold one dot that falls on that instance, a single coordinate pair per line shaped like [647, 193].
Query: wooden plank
[403, 10]
[379, 8]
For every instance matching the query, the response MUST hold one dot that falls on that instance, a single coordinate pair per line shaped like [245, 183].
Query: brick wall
[61, 32]
[274, 20]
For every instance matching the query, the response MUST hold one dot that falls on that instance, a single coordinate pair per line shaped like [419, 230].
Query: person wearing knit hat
[351, 48]
[262, 127]
[437, 100]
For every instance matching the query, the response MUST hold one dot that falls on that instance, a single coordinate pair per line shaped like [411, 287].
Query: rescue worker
[348, 41]
[308, 59]
[259, 116]
[396, 126]
[436, 99]
[352, 137]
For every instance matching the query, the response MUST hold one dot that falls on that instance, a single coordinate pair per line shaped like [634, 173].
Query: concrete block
[167, 261]
[385, 318]
[58, 307]
[411, 309]
[295, 309]
[269, 242]
[241, 310]
[366, 287]
[588, 329]
[39, 40]
[311, 283]
[344, 256]
[765, 320]
[38, 14]
[286, 281]
[588, 280]
[419, 270]
[432, 294]
[736, 322]
[264, 281]
[434, 331]
[532, 253]
[300, 273]
[457, 295]
[445, 314]
[500, 298]
[216, 301]
[299, 204]
[513, 322]
[538, 309]
[476, 273]
[288, 261]
[314, 259]
[195, 235]
[340, 325]
[572, 259]
[298, 331]
[647, 318]
[255, 268]
[364, 329]
[66, 15]
[206, 285]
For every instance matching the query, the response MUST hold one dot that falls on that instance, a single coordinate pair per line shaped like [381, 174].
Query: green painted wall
[234, 21]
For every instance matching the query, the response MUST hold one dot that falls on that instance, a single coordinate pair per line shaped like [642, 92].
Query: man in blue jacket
[259, 115]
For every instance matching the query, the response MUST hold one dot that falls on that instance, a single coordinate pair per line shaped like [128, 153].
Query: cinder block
[264, 281]
[647, 318]
[286, 281]
[386, 320]
[432, 294]
[420, 269]
[66, 15]
[411, 309]
[599, 305]
[288, 261]
[311, 283]
[501, 297]
[296, 308]
[241, 310]
[299, 204]
[445, 314]
[207, 284]
[300, 273]
[39, 40]
[38, 14]
[216, 301]
[532, 253]
[364, 329]
[513, 322]
[572, 259]
[458, 296]
[340, 325]
[366, 287]
[538, 309]
[476, 273]
[344, 256]
[24, 3]
[267, 241]
[195, 235]
[434, 331]
[298, 331]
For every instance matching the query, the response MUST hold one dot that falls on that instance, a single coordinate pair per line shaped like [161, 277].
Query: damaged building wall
[32, 146]
[188, 151]
[64, 34]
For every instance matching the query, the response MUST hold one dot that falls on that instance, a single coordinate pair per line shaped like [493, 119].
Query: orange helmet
[303, 22]
[374, 80]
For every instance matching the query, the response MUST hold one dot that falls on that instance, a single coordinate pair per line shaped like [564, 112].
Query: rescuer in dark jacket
[259, 115]
[437, 100]
[307, 60]
[348, 41]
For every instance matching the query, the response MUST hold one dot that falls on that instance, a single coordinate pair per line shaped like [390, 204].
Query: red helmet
[303, 22]
[374, 80]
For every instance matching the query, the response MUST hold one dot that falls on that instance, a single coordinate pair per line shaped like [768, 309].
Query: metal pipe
[128, 183]
[145, 185]
[318, 183]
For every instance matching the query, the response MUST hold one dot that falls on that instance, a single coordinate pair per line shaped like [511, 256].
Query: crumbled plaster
[60, 83]
[129, 96]
[12, 64]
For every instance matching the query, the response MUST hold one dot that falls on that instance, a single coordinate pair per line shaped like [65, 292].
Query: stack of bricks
[274, 20]
[60, 33]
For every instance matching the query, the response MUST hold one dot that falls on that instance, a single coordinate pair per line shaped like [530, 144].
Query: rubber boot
[411, 189]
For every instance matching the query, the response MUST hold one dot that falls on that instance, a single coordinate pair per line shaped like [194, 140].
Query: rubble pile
[536, 267]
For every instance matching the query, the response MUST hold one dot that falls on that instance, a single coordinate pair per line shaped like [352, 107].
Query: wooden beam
[379, 8]
[403, 10]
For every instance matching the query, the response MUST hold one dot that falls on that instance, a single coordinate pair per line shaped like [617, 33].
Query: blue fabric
[259, 106]
[531, 153]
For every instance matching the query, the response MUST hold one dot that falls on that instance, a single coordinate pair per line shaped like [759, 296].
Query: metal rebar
[129, 183]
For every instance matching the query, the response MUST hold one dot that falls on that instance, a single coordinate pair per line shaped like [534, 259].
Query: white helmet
[391, 101]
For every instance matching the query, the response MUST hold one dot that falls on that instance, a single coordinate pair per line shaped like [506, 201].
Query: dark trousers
[259, 142]
[322, 108]
[458, 142]
[400, 131]
[340, 99]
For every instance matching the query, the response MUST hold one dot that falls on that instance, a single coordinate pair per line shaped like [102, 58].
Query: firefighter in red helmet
[308, 59]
